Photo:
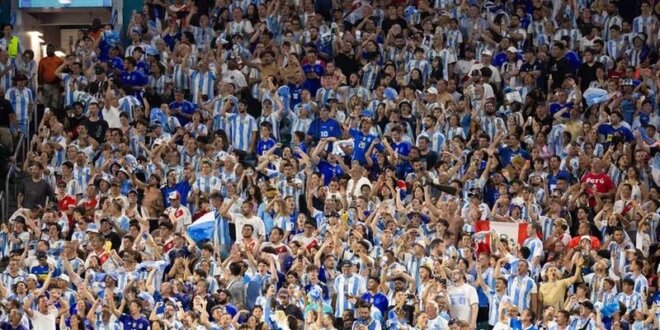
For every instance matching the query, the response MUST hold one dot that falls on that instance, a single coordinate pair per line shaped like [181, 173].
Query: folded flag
[161, 265]
[595, 95]
[203, 228]
[285, 95]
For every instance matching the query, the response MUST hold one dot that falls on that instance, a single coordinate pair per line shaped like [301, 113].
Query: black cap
[475, 192]
[588, 304]
[346, 263]
[41, 255]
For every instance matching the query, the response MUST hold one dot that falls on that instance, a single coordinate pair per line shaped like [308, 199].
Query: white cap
[486, 52]
[173, 195]
[512, 49]
[432, 90]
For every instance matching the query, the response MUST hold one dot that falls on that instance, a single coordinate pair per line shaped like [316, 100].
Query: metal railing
[3, 202]
[20, 153]
[20, 156]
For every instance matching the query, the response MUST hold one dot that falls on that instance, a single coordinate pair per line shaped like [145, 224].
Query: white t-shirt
[257, 224]
[111, 115]
[44, 321]
[461, 299]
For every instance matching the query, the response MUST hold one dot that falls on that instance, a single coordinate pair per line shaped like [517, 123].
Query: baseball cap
[112, 276]
[512, 49]
[151, 51]
[474, 192]
[487, 52]
[421, 243]
[587, 304]
[432, 90]
[92, 228]
[174, 195]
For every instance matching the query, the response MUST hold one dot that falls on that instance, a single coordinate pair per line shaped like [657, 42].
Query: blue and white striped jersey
[354, 285]
[159, 84]
[6, 80]
[207, 184]
[520, 289]
[127, 104]
[632, 301]
[21, 100]
[243, 127]
[71, 85]
[202, 83]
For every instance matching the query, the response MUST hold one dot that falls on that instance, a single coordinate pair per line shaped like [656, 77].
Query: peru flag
[513, 232]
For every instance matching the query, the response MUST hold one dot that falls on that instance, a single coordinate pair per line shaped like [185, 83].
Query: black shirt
[114, 239]
[558, 69]
[388, 23]
[431, 158]
[587, 74]
[531, 66]
[5, 110]
[347, 64]
[36, 193]
[96, 129]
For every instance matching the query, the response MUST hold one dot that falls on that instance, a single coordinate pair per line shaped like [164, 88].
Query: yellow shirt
[554, 293]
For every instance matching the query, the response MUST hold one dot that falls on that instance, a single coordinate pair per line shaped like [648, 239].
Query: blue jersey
[329, 171]
[134, 78]
[361, 143]
[182, 187]
[264, 145]
[185, 107]
[143, 68]
[556, 107]
[507, 154]
[324, 129]
[609, 131]
[295, 95]
[130, 323]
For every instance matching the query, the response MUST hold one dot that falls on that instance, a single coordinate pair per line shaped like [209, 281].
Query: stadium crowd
[366, 165]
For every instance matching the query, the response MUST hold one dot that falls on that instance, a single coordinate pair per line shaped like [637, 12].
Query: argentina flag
[203, 228]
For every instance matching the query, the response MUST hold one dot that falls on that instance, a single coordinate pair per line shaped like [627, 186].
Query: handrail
[3, 202]
[20, 155]
[21, 149]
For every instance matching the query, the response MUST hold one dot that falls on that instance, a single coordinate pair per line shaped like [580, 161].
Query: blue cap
[146, 297]
[367, 113]
[390, 93]
[319, 69]
[151, 51]
[92, 227]
[307, 68]
[563, 176]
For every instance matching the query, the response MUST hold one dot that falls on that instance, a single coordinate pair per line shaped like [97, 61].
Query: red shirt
[575, 241]
[602, 183]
